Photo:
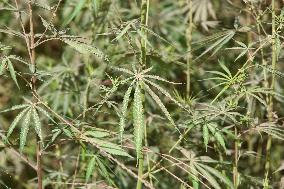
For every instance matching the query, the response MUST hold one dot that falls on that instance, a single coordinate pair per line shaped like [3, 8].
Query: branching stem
[272, 86]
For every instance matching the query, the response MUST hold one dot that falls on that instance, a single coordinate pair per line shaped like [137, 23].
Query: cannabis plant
[141, 94]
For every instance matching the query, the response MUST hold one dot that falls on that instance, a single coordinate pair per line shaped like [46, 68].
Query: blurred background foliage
[221, 52]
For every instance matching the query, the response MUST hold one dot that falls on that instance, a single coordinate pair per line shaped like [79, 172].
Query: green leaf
[110, 148]
[97, 133]
[67, 132]
[164, 92]
[14, 57]
[208, 177]
[85, 48]
[12, 72]
[217, 135]
[76, 11]
[115, 150]
[218, 44]
[37, 124]
[125, 29]
[103, 169]
[90, 168]
[25, 130]
[160, 104]
[16, 121]
[155, 34]
[228, 37]
[219, 175]
[138, 120]
[205, 133]
[124, 111]
[224, 67]
[220, 93]
[2, 66]
[143, 36]
[47, 25]
[16, 107]
[45, 113]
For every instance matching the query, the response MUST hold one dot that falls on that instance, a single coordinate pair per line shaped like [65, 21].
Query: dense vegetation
[141, 94]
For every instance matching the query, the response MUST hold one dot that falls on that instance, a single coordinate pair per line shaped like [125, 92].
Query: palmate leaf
[25, 129]
[271, 70]
[226, 78]
[269, 128]
[202, 10]
[138, 120]
[85, 48]
[224, 67]
[215, 47]
[124, 111]
[27, 115]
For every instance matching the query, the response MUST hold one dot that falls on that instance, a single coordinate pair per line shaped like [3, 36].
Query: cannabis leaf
[29, 116]
[138, 120]
[143, 80]
[85, 48]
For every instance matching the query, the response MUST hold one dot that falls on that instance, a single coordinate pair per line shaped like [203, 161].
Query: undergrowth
[141, 94]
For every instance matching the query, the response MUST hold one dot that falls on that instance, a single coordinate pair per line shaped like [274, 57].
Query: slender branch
[33, 83]
[236, 159]
[52, 18]
[271, 96]
[143, 63]
[23, 28]
[24, 158]
[189, 49]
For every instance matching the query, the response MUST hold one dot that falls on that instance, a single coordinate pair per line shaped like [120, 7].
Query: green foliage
[146, 94]
[138, 120]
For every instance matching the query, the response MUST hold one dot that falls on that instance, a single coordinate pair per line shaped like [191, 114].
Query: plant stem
[236, 159]
[140, 171]
[144, 23]
[143, 62]
[33, 81]
[189, 55]
[39, 166]
[272, 86]
[147, 157]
